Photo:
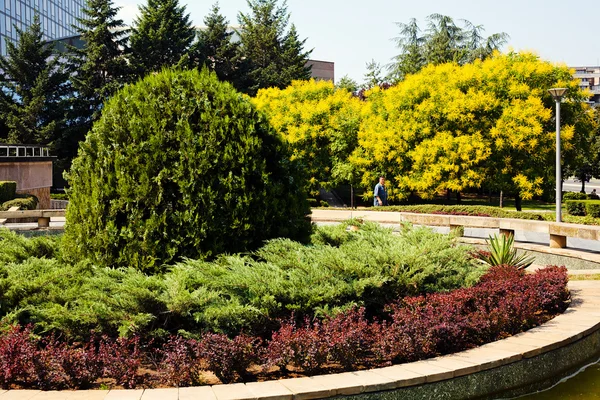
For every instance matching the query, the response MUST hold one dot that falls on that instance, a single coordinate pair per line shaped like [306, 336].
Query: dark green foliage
[8, 190]
[161, 36]
[23, 201]
[215, 50]
[275, 57]
[180, 165]
[476, 211]
[575, 207]
[574, 196]
[592, 208]
[369, 267]
[33, 86]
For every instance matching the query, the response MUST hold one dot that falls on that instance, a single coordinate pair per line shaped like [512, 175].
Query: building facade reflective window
[58, 18]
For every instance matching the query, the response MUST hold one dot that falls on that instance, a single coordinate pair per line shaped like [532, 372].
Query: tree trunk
[448, 193]
[351, 197]
[518, 202]
[501, 199]
[458, 197]
[582, 184]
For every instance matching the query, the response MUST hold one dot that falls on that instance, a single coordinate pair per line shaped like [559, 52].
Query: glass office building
[57, 18]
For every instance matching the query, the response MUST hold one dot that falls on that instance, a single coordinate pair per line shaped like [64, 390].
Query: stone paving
[581, 319]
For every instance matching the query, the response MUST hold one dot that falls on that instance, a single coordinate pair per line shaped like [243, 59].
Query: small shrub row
[28, 361]
[59, 196]
[23, 201]
[583, 208]
[7, 190]
[505, 301]
[475, 211]
[574, 196]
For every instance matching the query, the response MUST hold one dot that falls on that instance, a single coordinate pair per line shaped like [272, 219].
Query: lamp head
[557, 93]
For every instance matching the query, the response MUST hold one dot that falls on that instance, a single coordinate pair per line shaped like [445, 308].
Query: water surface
[585, 385]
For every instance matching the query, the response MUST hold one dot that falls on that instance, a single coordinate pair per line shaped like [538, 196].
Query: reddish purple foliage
[121, 359]
[227, 357]
[306, 347]
[17, 352]
[60, 366]
[180, 364]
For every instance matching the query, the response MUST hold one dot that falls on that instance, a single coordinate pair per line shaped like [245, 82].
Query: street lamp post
[557, 94]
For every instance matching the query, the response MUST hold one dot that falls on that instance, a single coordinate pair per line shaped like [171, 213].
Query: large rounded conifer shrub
[180, 165]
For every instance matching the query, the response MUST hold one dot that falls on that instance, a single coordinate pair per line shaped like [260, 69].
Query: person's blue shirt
[381, 192]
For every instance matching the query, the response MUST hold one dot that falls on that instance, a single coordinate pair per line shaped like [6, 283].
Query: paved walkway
[392, 219]
[581, 319]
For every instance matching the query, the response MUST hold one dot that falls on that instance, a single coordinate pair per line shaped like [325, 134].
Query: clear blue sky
[353, 32]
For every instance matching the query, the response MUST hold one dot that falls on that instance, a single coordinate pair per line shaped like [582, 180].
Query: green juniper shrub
[7, 190]
[15, 248]
[574, 196]
[339, 270]
[180, 165]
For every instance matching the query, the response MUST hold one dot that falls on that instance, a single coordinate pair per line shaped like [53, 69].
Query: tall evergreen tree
[294, 58]
[34, 85]
[275, 54]
[161, 36]
[98, 70]
[443, 41]
[216, 50]
[411, 59]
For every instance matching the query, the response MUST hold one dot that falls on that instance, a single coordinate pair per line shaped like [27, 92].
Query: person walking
[380, 193]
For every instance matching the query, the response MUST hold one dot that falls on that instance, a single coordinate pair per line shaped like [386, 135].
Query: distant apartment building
[589, 78]
[322, 70]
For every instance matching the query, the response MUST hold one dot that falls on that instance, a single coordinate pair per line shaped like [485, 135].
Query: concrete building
[56, 16]
[322, 70]
[31, 167]
[589, 78]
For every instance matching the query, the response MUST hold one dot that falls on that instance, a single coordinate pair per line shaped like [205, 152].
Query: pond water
[585, 385]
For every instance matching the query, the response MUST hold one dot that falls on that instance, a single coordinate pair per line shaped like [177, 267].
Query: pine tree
[161, 36]
[348, 84]
[275, 55]
[442, 42]
[97, 71]
[294, 58]
[215, 49]
[99, 68]
[33, 86]
[411, 59]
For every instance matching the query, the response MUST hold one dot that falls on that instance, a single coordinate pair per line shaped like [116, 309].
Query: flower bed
[505, 301]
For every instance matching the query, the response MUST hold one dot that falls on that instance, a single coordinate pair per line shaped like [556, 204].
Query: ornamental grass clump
[178, 166]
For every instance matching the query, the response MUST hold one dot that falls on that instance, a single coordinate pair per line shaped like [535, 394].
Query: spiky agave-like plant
[502, 252]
